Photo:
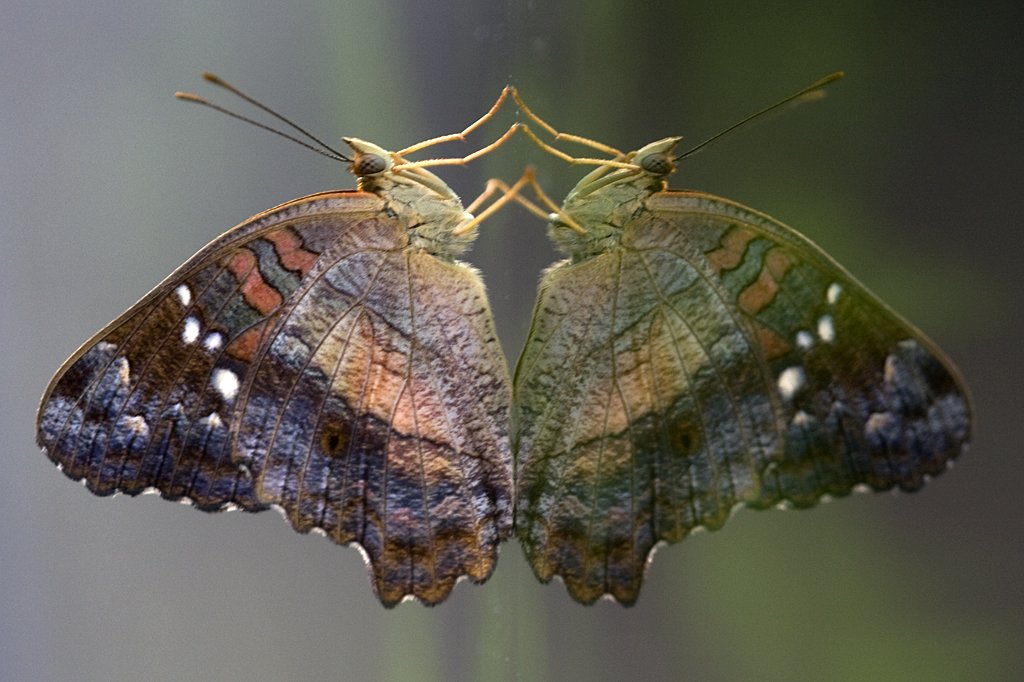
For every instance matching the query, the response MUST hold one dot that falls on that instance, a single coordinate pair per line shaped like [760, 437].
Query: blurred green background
[909, 173]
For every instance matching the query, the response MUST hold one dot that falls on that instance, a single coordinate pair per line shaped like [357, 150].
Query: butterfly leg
[510, 193]
[461, 137]
[402, 165]
[619, 159]
[586, 141]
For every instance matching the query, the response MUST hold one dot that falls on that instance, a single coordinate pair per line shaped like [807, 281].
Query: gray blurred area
[909, 173]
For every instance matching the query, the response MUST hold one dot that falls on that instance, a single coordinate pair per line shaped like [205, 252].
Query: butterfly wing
[310, 320]
[378, 413]
[146, 404]
[717, 358]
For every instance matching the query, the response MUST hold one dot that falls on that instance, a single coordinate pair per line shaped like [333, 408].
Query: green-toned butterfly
[328, 356]
[692, 355]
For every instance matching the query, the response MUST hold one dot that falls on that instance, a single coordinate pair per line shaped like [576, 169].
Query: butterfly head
[657, 157]
[608, 197]
[384, 172]
[369, 160]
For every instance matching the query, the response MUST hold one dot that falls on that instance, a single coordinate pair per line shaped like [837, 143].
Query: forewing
[717, 358]
[147, 403]
[867, 398]
[379, 414]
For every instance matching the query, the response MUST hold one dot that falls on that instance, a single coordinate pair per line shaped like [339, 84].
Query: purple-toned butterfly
[328, 356]
[693, 355]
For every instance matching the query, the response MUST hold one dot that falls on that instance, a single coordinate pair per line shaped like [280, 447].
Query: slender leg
[512, 193]
[586, 141]
[401, 164]
[460, 136]
[583, 160]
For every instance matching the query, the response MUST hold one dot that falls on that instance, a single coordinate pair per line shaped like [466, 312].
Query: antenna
[324, 149]
[812, 90]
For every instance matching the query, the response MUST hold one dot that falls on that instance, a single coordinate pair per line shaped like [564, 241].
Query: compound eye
[658, 164]
[368, 164]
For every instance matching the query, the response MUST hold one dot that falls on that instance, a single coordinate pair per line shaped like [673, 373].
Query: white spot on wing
[226, 383]
[213, 420]
[804, 340]
[124, 371]
[184, 294]
[826, 330]
[791, 380]
[879, 425]
[890, 371]
[832, 295]
[137, 424]
[213, 341]
[191, 331]
[802, 419]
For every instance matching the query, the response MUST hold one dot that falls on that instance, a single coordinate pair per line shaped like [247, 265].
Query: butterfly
[692, 355]
[328, 356]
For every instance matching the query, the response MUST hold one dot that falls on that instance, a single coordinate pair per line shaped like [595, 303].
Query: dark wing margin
[868, 399]
[147, 403]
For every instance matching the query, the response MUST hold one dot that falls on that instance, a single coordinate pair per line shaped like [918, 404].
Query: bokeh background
[909, 173]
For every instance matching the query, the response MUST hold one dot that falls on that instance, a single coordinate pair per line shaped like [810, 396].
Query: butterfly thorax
[603, 207]
[431, 212]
